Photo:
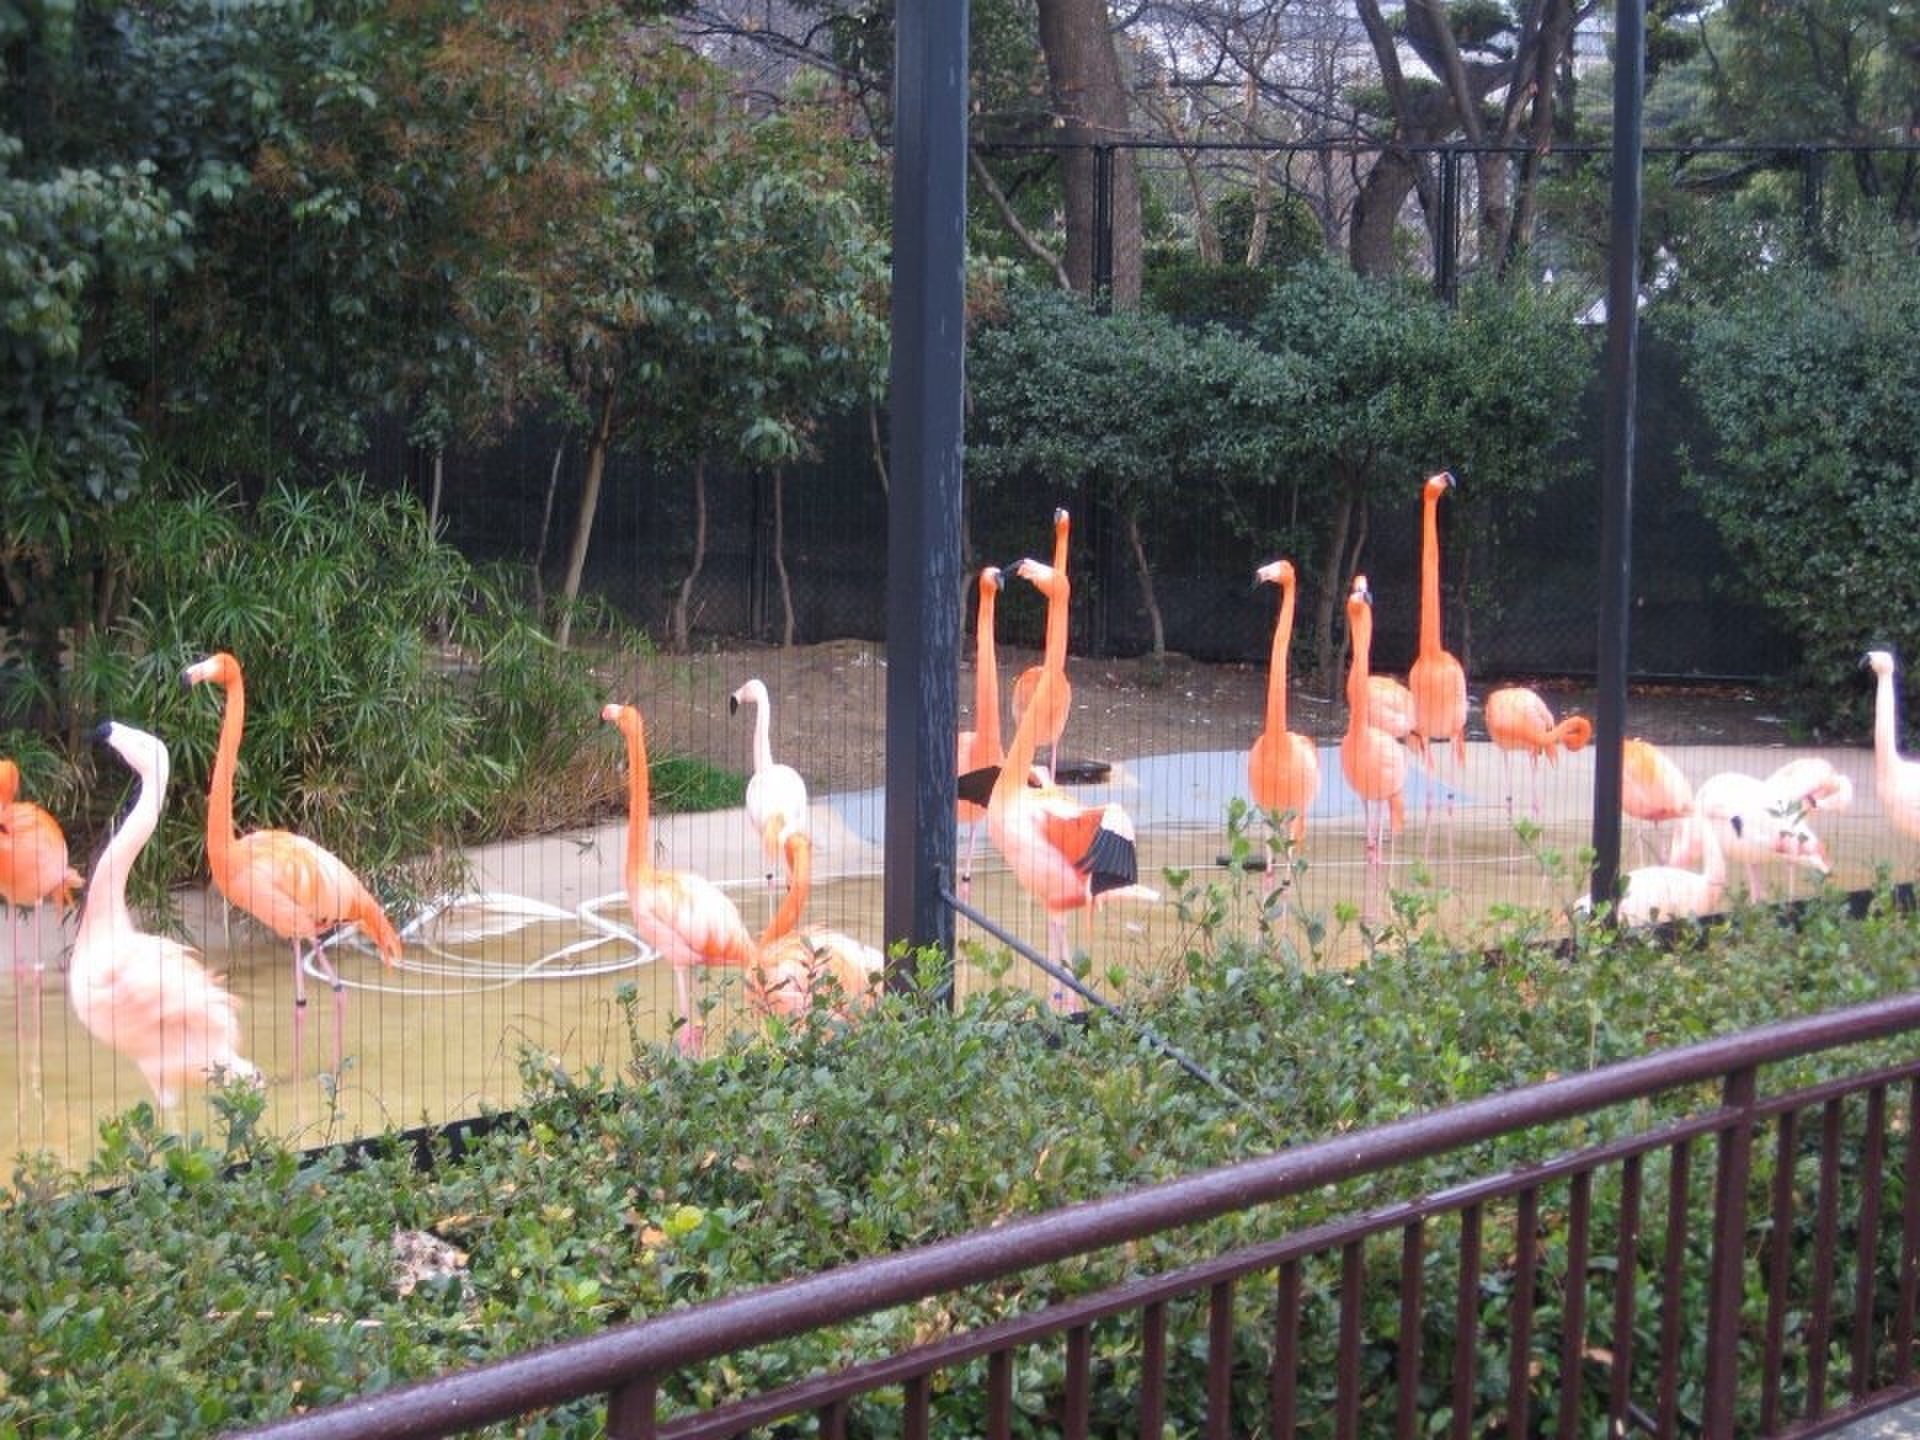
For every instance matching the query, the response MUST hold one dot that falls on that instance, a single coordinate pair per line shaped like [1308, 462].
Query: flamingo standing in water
[776, 795]
[685, 918]
[1374, 763]
[1651, 785]
[33, 870]
[1896, 779]
[145, 995]
[1438, 682]
[1520, 722]
[1053, 722]
[297, 889]
[1283, 768]
[979, 748]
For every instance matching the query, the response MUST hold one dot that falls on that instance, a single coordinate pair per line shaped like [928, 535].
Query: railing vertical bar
[1153, 1368]
[1620, 1393]
[1825, 1227]
[1526, 1238]
[1000, 1395]
[1573, 1306]
[832, 1418]
[1733, 1166]
[1779, 1271]
[919, 1409]
[1220, 1362]
[1673, 1290]
[1346, 1415]
[631, 1409]
[1909, 1243]
[1079, 1390]
[1466, 1323]
[1871, 1162]
[1412, 1263]
[1283, 1382]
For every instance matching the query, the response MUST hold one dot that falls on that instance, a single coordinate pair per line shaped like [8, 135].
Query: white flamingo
[776, 795]
[1896, 779]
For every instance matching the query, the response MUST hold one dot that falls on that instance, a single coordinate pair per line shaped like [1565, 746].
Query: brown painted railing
[1732, 1370]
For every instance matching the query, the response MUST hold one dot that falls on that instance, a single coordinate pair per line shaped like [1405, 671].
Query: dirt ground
[829, 704]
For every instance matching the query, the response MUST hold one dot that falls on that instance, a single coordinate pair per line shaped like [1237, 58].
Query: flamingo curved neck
[762, 735]
[1277, 665]
[220, 832]
[1886, 727]
[986, 677]
[1026, 740]
[106, 906]
[1360, 631]
[1054, 657]
[1430, 577]
[639, 798]
[9, 781]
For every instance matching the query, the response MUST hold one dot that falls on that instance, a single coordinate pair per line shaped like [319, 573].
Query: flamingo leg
[688, 1037]
[299, 1004]
[39, 1011]
[966, 870]
[1060, 999]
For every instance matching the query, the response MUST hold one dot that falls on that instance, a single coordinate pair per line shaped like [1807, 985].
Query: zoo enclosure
[1722, 1357]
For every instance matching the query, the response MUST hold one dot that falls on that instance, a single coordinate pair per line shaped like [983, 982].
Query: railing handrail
[602, 1363]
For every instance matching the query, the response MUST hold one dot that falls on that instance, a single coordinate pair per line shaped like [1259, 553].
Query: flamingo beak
[101, 733]
[733, 704]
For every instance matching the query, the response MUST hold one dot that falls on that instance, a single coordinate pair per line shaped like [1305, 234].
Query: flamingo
[1068, 856]
[1053, 722]
[1389, 703]
[145, 995]
[1520, 722]
[776, 795]
[33, 870]
[1283, 768]
[1811, 783]
[684, 917]
[1438, 683]
[1896, 779]
[979, 748]
[1651, 785]
[1668, 892]
[294, 887]
[1374, 763]
[792, 970]
[1771, 827]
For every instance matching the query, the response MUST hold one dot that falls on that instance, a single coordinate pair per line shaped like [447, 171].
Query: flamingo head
[992, 580]
[1277, 572]
[1438, 485]
[624, 718]
[1042, 576]
[1060, 520]
[754, 692]
[145, 755]
[1579, 731]
[1878, 661]
[9, 781]
[1361, 592]
[221, 668]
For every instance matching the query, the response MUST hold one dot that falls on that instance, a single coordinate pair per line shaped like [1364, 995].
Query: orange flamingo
[685, 918]
[1053, 722]
[776, 795]
[1374, 763]
[1066, 855]
[1520, 722]
[1651, 785]
[1389, 703]
[294, 887]
[795, 969]
[33, 870]
[1438, 683]
[1283, 768]
[145, 995]
[979, 748]
[1896, 779]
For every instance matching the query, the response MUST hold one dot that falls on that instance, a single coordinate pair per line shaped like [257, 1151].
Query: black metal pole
[923, 512]
[1616, 484]
[1103, 228]
[1446, 269]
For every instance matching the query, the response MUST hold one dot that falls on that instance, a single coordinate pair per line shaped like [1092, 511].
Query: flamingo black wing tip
[1111, 862]
[976, 786]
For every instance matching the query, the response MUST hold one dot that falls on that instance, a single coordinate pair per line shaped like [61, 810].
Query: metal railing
[1742, 1366]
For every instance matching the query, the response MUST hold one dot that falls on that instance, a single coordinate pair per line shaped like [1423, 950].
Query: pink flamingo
[1769, 827]
[685, 918]
[979, 748]
[1668, 892]
[1283, 768]
[297, 889]
[1389, 703]
[795, 968]
[1374, 763]
[1896, 779]
[1053, 722]
[1519, 722]
[145, 995]
[776, 795]
[1652, 787]
[1438, 682]
[33, 870]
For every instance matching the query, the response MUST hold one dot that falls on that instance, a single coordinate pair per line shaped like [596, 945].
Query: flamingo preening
[1519, 722]
[1053, 721]
[33, 870]
[1438, 682]
[294, 887]
[145, 995]
[796, 970]
[1652, 787]
[685, 918]
[979, 748]
[1283, 768]
[1751, 823]
[1896, 779]
[1374, 763]
[776, 796]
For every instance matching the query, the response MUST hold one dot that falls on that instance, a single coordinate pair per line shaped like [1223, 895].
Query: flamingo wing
[688, 919]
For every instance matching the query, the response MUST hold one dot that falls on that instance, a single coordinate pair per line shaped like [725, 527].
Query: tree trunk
[683, 602]
[780, 562]
[1332, 590]
[1090, 97]
[1145, 572]
[546, 528]
[1376, 214]
[583, 523]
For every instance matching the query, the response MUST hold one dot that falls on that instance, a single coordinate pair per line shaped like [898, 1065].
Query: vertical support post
[1616, 484]
[1103, 228]
[1446, 260]
[1732, 1169]
[923, 511]
[1813, 177]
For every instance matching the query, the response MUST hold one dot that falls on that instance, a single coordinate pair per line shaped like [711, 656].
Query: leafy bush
[212, 1301]
[1808, 382]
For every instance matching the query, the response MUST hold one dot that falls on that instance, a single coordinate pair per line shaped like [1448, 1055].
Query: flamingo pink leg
[689, 1037]
[1059, 998]
[299, 1005]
